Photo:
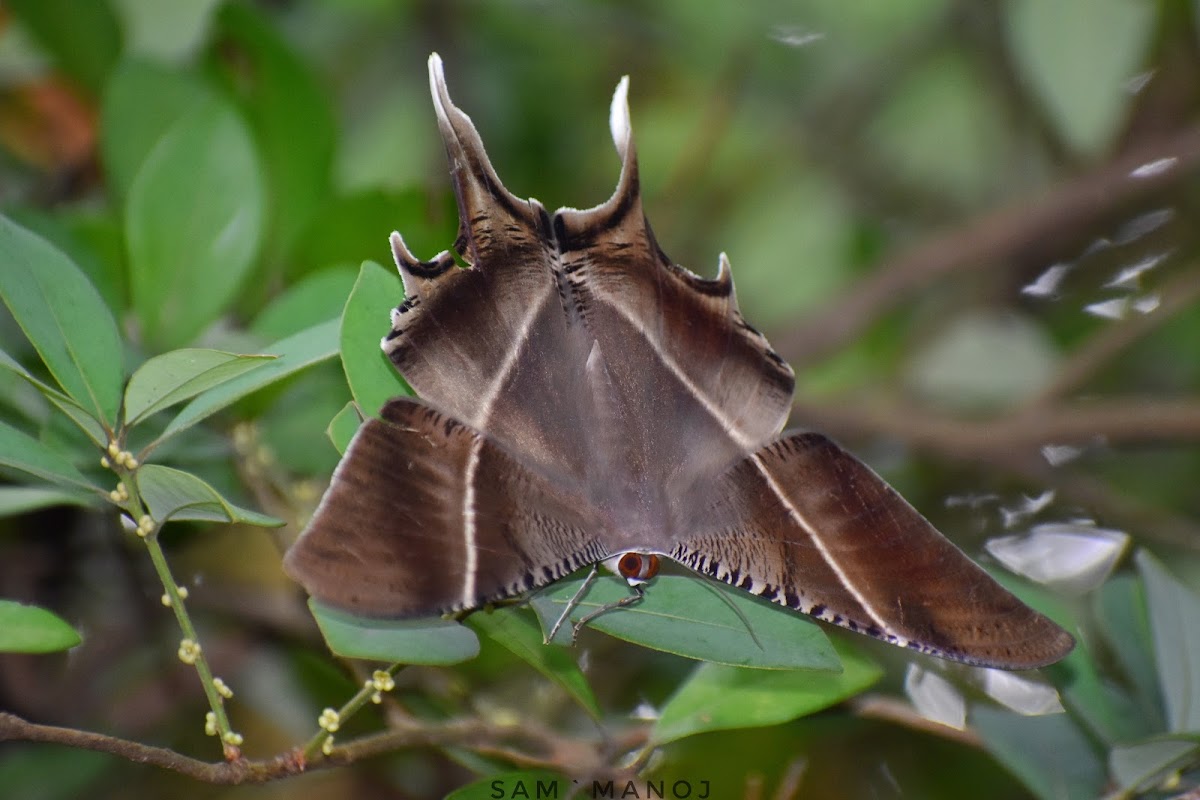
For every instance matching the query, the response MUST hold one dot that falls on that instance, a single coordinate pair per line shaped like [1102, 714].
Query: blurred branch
[1062, 213]
[1085, 361]
[543, 748]
[13, 728]
[1114, 421]
[890, 709]
[1013, 442]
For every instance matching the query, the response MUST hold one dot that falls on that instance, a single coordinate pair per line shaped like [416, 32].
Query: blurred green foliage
[184, 184]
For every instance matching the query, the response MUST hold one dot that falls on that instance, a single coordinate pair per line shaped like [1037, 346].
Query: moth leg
[574, 601]
[639, 593]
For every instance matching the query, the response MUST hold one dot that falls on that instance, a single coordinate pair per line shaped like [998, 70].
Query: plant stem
[352, 706]
[215, 701]
[136, 508]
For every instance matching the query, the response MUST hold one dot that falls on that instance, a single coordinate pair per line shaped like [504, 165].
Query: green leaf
[1173, 614]
[936, 131]
[142, 102]
[983, 361]
[690, 616]
[372, 377]
[718, 697]
[83, 38]
[353, 228]
[343, 427]
[414, 641]
[316, 298]
[180, 375]
[798, 211]
[293, 354]
[174, 494]
[200, 185]
[1144, 765]
[1107, 713]
[1050, 754]
[64, 318]
[90, 237]
[21, 499]
[291, 426]
[1079, 56]
[29, 629]
[1121, 604]
[292, 119]
[21, 451]
[73, 410]
[516, 631]
[167, 32]
[526, 783]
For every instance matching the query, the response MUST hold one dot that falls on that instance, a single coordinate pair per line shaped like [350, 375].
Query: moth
[584, 399]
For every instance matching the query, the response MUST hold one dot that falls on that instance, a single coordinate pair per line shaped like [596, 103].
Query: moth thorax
[637, 568]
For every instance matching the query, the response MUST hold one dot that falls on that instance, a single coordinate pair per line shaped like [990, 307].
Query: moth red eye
[636, 565]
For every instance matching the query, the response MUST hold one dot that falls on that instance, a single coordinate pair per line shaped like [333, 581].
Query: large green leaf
[193, 222]
[1120, 605]
[697, 618]
[142, 101]
[172, 494]
[720, 697]
[1144, 765]
[77, 413]
[419, 641]
[65, 319]
[180, 375]
[1051, 755]
[293, 354]
[83, 38]
[166, 32]
[29, 629]
[1079, 56]
[21, 451]
[316, 298]
[372, 378]
[21, 499]
[514, 629]
[343, 427]
[1174, 611]
[292, 119]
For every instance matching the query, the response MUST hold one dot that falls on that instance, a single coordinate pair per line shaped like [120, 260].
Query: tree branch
[1013, 442]
[1062, 213]
[1114, 421]
[530, 746]
[14, 728]
[1178, 294]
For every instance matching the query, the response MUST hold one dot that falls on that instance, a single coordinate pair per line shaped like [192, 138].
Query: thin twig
[14, 728]
[529, 745]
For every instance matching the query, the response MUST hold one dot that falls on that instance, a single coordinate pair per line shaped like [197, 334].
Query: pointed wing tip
[618, 117]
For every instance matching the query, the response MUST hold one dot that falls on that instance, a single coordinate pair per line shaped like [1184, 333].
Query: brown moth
[584, 400]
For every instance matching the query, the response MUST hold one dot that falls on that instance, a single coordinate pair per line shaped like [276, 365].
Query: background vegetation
[967, 225]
